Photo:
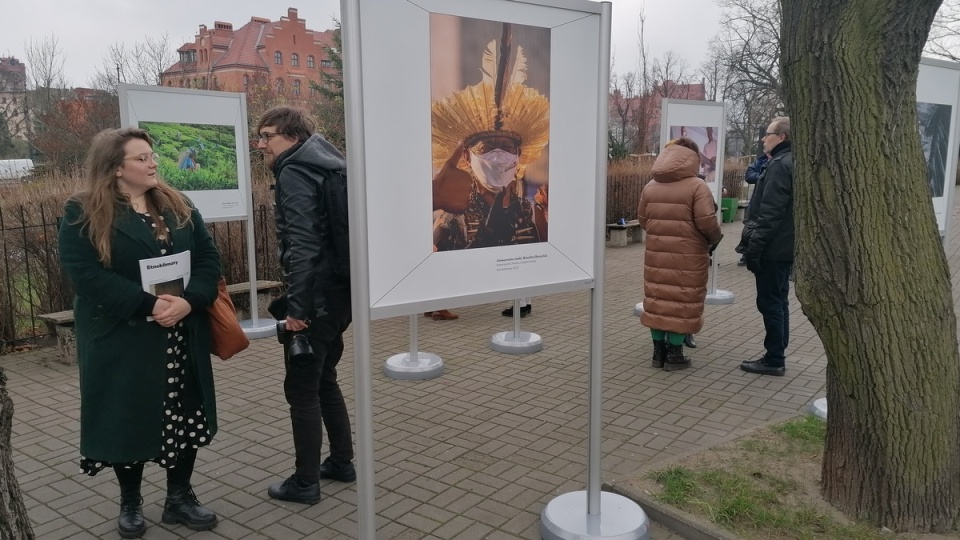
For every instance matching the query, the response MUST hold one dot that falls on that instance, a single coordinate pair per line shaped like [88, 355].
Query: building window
[326, 63]
[295, 60]
[279, 87]
[246, 82]
[313, 91]
[310, 64]
[278, 58]
[296, 88]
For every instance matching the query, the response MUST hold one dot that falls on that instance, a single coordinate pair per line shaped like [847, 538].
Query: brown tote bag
[226, 336]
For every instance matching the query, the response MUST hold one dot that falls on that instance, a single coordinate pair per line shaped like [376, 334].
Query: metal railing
[32, 282]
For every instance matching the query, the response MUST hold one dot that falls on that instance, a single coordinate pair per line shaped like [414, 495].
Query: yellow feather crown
[470, 113]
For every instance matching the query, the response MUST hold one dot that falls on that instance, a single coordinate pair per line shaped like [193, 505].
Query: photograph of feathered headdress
[501, 105]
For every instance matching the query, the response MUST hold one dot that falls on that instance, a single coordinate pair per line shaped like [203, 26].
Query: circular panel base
[263, 328]
[425, 366]
[819, 408]
[566, 518]
[720, 296]
[522, 343]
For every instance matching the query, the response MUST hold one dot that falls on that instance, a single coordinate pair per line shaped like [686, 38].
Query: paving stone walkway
[473, 454]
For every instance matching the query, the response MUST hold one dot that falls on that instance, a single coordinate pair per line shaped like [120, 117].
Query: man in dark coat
[768, 247]
[306, 168]
[752, 176]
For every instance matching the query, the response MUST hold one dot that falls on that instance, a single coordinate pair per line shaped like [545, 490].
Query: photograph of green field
[195, 157]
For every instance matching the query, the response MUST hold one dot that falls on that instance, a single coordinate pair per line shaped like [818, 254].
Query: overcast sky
[87, 29]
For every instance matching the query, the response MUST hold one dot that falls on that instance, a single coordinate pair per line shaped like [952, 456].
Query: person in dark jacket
[318, 298]
[767, 245]
[146, 383]
[752, 175]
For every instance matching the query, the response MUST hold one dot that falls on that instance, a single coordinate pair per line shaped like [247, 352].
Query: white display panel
[406, 275]
[209, 126]
[938, 96]
[692, 119]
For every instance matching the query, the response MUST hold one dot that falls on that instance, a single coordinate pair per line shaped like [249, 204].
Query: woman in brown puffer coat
[679, 215]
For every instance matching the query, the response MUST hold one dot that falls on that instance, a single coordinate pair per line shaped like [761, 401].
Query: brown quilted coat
[679, 215]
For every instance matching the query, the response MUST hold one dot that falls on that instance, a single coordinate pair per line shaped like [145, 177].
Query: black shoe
[183, 507]
[130, 524]
[689, 342]
[294, 490]
[341, 472]
[524, 311]
[762, 368]
[742, 261]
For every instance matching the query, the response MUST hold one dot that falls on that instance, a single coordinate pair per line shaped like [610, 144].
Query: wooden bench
[621, 235]
[60, 324]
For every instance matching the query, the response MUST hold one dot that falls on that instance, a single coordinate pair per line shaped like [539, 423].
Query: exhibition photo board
[938, 95]
[702, 122]
[481, 180]
[200, 142]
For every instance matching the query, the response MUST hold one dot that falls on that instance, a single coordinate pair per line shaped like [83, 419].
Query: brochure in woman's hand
[169, 274]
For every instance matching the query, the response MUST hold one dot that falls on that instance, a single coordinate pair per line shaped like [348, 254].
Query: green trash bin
[728, 209]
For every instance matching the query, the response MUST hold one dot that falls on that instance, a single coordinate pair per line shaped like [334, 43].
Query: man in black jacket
[768, 247]
[318, 297]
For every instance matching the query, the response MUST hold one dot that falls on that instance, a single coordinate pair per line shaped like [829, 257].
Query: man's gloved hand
[753, 264]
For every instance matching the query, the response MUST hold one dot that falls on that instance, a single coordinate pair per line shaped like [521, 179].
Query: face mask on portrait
[496, 168]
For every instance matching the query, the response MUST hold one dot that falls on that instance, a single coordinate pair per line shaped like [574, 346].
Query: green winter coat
[123, 357]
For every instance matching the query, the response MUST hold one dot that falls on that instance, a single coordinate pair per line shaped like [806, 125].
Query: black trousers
[773, 288]
[314, 395]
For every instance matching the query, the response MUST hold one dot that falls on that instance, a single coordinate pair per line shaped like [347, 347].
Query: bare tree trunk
[14, 523]
[871, 274]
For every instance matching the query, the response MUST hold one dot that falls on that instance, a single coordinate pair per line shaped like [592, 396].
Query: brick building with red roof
[283, 55]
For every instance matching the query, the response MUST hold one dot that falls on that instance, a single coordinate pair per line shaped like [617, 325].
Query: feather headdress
[501, 105]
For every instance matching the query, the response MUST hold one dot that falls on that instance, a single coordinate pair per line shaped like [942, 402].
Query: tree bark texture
[872, 276]
[14, 523]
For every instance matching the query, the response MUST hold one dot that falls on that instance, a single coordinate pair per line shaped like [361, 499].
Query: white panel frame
[939, 82]
[685, 112]
[164, 104]
[406, 275]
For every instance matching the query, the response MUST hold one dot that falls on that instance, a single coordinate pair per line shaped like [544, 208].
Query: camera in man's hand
[298, 346]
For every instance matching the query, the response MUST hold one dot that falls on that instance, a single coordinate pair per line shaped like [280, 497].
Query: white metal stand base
[819, 408]
[259, 329]
[520, 343]
[638, 309]
[566, 518]
[720, 296]
[425, 366]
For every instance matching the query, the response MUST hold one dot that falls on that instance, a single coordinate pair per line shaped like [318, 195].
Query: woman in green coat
[146, 383]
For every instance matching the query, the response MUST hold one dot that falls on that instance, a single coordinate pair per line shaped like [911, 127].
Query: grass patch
[762, 486]
[678, 485]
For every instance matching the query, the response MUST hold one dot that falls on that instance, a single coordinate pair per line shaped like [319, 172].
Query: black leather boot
[675, 359]
[183, 507]
[130, 524]
[659, 354]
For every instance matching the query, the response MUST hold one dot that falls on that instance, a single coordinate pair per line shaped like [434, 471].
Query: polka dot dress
[184, 420]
